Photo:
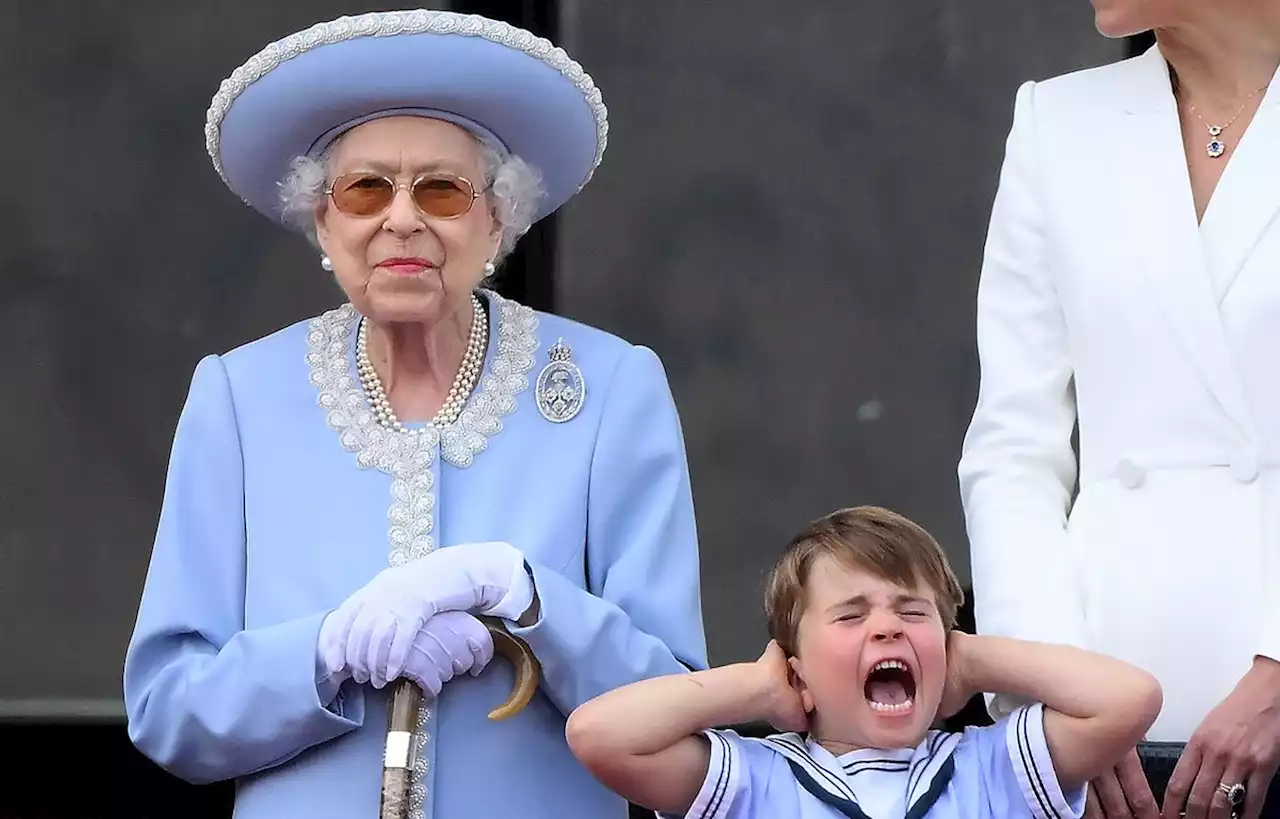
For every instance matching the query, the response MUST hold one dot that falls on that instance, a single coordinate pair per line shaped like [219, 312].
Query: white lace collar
[513, 342]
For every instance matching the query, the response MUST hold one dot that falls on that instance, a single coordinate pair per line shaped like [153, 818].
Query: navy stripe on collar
[931, 771]
[793, 747]
[845, 806]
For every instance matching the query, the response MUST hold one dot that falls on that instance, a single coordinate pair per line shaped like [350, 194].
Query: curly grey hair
[514, 187]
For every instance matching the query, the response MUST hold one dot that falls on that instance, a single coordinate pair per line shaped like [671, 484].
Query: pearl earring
[489, 268]
[326, 263]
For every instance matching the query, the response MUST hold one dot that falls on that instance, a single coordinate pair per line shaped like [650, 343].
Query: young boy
[863, 660]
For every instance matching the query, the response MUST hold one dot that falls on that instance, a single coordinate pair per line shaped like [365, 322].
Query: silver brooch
[561, 388]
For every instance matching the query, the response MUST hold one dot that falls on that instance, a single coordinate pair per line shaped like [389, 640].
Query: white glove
[375, 627]
[451, 643]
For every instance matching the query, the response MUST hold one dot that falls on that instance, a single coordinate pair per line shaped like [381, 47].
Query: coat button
[1130, 475]
[1244, 467]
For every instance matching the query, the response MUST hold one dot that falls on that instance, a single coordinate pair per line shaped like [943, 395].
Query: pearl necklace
[463, 383]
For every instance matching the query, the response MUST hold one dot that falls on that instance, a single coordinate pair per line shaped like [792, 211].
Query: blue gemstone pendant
[1216, 147]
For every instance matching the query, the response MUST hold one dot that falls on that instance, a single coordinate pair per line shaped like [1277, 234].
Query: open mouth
[890, 687]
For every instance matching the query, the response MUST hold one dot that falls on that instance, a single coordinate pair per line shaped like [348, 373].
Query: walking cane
[406, 700]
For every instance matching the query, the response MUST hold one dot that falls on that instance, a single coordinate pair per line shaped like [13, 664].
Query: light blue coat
[281, 500]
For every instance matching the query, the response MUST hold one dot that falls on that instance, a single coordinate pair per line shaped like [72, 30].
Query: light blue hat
[500, 82]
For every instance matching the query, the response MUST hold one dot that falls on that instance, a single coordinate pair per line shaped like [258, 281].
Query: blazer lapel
[1163, 235]
[1247, 198]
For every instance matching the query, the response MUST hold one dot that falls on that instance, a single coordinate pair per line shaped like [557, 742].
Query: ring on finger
[1235, 797]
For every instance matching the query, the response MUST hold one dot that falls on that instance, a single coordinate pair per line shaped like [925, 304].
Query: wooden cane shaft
[397, 762]
[406, 704]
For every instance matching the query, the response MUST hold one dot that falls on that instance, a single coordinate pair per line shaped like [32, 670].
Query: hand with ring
[1229, 763]
[1235, 798]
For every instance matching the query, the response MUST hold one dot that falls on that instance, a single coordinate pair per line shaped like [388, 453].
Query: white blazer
[1103, 302]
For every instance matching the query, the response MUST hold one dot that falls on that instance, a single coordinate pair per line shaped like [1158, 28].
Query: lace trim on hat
[384, 24]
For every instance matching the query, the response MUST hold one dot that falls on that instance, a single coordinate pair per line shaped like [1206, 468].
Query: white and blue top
[1002, 770]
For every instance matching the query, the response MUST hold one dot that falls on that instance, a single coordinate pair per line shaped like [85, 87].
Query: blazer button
[1244, 467]
[1130, 475]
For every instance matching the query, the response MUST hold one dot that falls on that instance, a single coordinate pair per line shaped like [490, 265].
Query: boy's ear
[801, 687]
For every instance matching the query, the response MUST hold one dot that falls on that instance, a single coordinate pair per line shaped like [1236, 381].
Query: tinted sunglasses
[438, 195]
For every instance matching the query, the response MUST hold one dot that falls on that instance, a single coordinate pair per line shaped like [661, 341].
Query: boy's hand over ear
[957, 691]
[784, 708]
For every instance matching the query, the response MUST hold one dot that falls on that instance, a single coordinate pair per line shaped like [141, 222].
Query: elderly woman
[1130, 286]
[348, 496]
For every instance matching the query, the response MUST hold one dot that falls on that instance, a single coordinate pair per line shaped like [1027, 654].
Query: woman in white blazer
[1131, 284]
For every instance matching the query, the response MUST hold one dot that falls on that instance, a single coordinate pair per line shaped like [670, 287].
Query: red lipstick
[406, 265]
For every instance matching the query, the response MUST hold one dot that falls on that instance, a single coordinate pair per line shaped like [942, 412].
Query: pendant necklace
[1216, 147]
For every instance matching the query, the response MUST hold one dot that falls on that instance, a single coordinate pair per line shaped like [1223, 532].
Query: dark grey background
[791, 212]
